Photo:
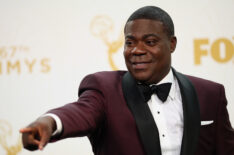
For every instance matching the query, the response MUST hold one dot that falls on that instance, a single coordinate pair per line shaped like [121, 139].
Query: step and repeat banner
[48, 46]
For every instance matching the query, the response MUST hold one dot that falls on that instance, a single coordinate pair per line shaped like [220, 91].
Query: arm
[80, 118]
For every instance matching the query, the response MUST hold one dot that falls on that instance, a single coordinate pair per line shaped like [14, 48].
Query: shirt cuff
[58, 123]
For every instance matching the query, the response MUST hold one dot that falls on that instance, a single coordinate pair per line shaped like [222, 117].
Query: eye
[151, 42]
[128, 42]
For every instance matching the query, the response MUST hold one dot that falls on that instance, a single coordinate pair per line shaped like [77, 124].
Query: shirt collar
[169, 78]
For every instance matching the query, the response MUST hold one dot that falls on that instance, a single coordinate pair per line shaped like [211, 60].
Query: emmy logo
[102, 27]
[5, 135]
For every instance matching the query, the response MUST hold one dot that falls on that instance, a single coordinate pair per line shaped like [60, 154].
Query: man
[149, 110]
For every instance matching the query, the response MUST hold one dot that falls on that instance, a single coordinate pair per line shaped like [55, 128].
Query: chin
[142, 77]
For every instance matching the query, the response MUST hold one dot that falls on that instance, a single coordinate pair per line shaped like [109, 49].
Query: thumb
[44, 140]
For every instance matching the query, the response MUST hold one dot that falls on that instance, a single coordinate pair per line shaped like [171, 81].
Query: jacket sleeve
[84, 116]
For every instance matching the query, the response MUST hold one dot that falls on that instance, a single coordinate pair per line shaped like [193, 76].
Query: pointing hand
[38, 133]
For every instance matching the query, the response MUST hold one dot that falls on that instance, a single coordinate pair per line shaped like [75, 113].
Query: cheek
[126, 54]
[160, 52]
[156, 54]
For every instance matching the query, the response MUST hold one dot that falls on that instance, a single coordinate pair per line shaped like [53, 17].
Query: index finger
[25, 130]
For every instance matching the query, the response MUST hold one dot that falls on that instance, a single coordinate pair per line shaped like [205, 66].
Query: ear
[173, 41]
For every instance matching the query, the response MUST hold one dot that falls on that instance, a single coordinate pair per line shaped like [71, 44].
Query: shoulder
[207, 91]
[204, 86]
[203, 82]
[201, 85]
[107, 74]
[197, 82]
[104, 76]
[101, 81]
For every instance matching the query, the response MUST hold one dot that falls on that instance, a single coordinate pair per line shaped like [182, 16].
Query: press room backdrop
[48, 46]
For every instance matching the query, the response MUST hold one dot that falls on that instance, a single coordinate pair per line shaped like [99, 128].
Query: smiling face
[147, 50]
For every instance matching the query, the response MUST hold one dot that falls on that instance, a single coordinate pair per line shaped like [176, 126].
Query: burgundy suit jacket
[111, 112]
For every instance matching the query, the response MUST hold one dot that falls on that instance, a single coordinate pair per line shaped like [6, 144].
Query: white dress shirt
[168, 117]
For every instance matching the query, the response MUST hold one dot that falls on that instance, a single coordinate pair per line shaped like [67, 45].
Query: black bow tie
[161, 90]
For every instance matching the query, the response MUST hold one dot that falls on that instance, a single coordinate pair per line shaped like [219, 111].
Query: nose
[138, 50]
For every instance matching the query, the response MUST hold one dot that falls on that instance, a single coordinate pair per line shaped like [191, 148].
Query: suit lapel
[144, 120]
[191, 112]
[146, 125]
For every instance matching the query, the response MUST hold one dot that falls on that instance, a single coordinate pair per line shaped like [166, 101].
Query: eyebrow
[150, 35]
[129, 37]
[144, 37]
